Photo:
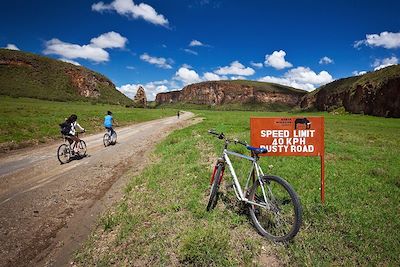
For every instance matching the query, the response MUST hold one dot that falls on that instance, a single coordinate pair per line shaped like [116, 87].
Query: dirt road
[47, 209]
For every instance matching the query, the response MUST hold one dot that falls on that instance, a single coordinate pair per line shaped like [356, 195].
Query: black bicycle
[65, 151]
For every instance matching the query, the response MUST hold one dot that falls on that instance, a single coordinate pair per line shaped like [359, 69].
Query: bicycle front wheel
[82, 148]
[106, 139]
[278, 215]
[212, 202]
[114, 138]
[63, 154]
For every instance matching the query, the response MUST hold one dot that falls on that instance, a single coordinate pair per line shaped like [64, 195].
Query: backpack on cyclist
[65, 127]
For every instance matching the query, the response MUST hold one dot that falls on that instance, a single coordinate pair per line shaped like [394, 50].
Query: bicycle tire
[106, 139]
[279, 193]
[82, 148]
[63, 154]
[114, 138]
[212, 201]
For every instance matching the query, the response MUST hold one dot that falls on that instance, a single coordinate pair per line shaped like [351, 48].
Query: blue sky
[164, 45]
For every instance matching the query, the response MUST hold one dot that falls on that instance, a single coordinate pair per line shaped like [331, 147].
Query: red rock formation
[227, 92]
[140, 98]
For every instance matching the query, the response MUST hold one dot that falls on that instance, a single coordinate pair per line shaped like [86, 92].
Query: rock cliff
[375, 93]
[232, 92]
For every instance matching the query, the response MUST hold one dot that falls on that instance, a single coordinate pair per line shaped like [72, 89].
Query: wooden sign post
[297, 136]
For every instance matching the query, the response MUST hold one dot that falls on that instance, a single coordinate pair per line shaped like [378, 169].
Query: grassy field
[162, 218]
[26, 121]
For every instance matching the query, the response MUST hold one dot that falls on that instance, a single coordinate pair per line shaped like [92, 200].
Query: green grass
[26, 120]
[162, 218]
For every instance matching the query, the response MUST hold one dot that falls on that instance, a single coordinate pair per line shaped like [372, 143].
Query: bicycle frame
[236, 184]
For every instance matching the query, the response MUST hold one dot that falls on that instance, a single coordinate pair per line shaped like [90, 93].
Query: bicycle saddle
[257, 150]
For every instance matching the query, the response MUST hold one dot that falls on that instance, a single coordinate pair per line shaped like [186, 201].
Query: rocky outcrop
[229, 92]
[376, 93]
[140, 99]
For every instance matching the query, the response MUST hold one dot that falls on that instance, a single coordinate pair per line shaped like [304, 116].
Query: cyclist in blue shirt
[108, 122]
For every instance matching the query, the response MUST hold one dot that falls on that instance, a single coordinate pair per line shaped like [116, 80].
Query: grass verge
[162, 218]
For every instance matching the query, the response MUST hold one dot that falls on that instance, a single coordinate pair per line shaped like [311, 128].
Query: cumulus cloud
[187, 76]
[325, 60]
[196, 43]
[70, 61]
[151, 89]
[94, 51]
[158, 61]
[109, 40]
[301, 77]
[209, 76]
[11, 47]
[256, 64]
[130, 9]
[235, 68]
[386, 62]
[358, 73]
[73, 51]
[190, 51]
[385, 39]
[277, 60]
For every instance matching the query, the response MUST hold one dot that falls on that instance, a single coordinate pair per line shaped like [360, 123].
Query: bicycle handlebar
[222, 136]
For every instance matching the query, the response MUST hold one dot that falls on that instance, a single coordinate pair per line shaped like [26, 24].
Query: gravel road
[47, 209]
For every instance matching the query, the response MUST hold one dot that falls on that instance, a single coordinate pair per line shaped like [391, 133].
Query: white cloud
[301, 77]
[236, 68]
[130, 9]
[358, 73]
[238, 78]
[151, 89]
[196, 43]
[256, 64]
[70, 61]
[158, 61]
[187, 76]
[325, 60]
[12, 47]
[190, 51]
[384, 39]
[130, 67]
[209, 76]
[94, 51]
[186, 66]
[386, 62]
[72, 51]
[109, 40]
[277, 60]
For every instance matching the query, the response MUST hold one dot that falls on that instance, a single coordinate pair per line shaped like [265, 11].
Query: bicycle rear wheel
[212, 202]
[82, 148]
[106, 139]
[63, 154]
[280, 218]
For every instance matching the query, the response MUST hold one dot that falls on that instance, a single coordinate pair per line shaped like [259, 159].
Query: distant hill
[28, 75]
[375, 93]
[237, 93]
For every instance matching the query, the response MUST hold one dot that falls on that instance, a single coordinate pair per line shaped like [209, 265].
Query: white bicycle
[274, 206]
[109, 138]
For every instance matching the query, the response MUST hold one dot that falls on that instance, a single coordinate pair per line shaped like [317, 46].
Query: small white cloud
[235, 68]
[158, 61]
[325, 60]
[301, 77]
[130, 9]
[277, 60]
[12, 47]
[209, 76]
[186, 66]
[190, 51]
[70, 61]
[238, 78]
[385, 39]
[196, 43]
[258, 65]
[109, 40]
[130, 67]
[187, 76]
[386, 62]
[358, 73]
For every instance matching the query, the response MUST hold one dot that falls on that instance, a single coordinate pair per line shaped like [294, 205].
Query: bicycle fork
[219, 161]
